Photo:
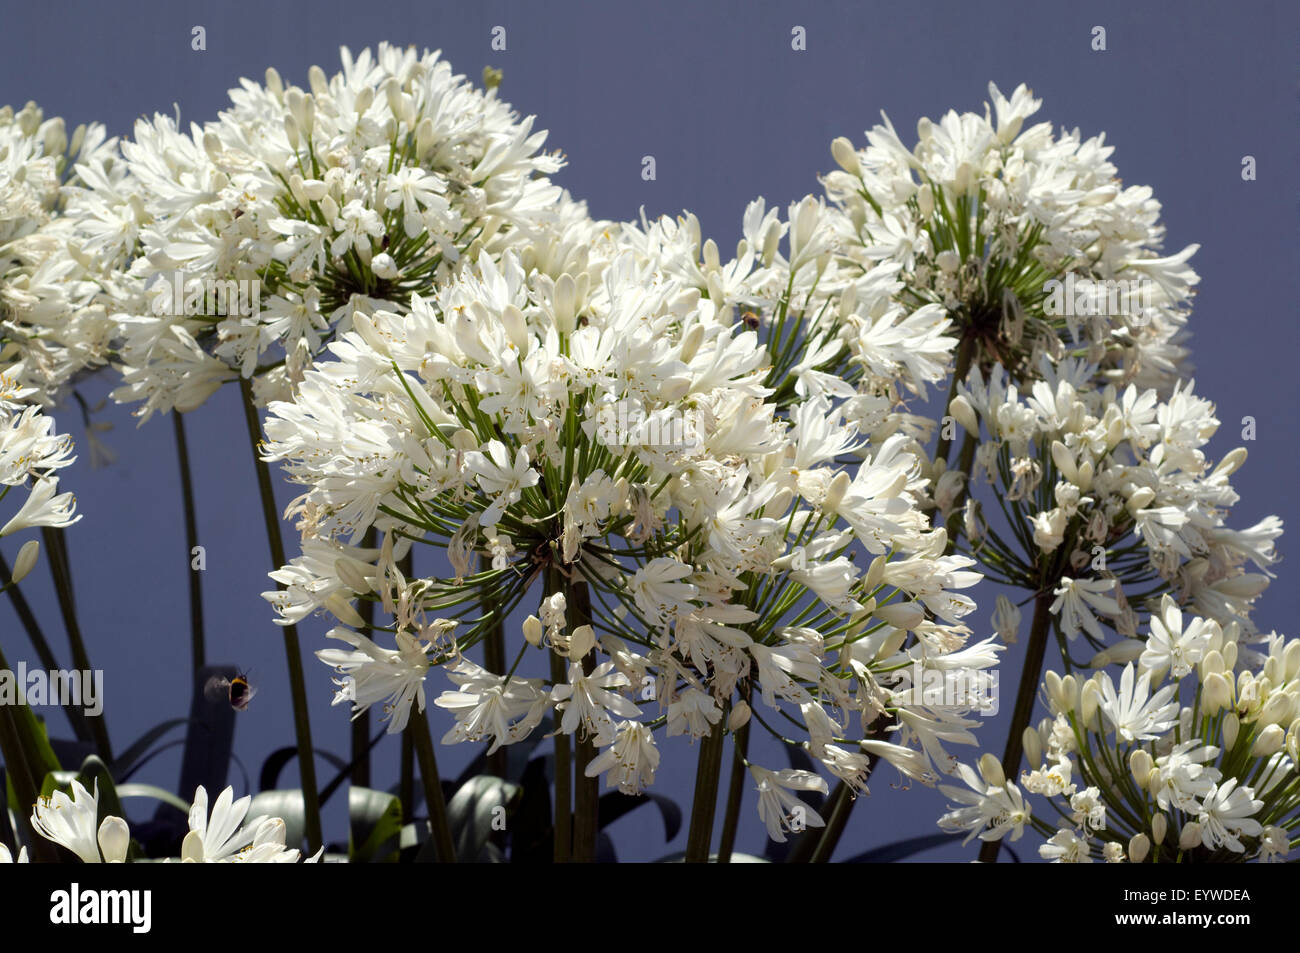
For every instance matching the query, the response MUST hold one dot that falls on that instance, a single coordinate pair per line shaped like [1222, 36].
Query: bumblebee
[237, 691]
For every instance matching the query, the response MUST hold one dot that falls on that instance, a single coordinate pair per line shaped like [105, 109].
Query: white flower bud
[1190, 836]
[1064, 460]
[582, 641]
[274, 83]
[1229, 656]
[1269, 742]
[533, 630]
[875, 573]
[1229, 464]
[907, 615]
[512, 319]
[691, 342]
[925, 200]
[781, 501]
[739, 716]
[384, 266]
[26, 559]
[845, 156]
[964, 414]
[1277, 710]
[835, 492]
[991, 770]
[1140, 499]
[1141, 764]
[1159, 826]
[342, 610]
[1090, 699]
[1139, 846]
[114, 840]
[1216, 693]
[564, 304]
[364, 99]
[1033, 745]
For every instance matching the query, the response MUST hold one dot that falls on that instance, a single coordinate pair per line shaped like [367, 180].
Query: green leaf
[286, 805]
[475, 806]
[277, 760]
[35, 740]
[95, 774]
[123, 763]
[374, 826]
[157, 793]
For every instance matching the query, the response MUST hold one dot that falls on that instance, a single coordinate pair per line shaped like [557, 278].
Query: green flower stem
[418, 729]
[840, 803]
[586, 791]
[297, 683]
[80, 725]
[705, 803]
[360, 732]
[563, 822]
[965, 352]
[406, 774]
[494, 660]
[1025, 696]
[198, 653]
[735, 794]
[56, 546]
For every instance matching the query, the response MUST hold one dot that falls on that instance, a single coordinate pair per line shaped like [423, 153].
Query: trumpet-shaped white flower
[373, 675]
[73, 822]
[781, 810]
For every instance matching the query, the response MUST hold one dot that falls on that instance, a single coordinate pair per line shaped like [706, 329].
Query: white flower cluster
[590, 421]
[1107, 493]
[240, 247]
[50, 325]
[1200, 768]
[1028, 240]
[223, 834]
[30, 456]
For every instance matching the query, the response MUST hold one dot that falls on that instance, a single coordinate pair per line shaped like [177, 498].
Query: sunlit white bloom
[781, 810]
[1133, 711]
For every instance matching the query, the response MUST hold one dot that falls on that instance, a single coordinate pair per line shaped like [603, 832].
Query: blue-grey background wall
[715, 92]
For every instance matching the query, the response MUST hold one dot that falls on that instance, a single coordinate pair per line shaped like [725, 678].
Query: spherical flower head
[248, 243]
[1025, 239]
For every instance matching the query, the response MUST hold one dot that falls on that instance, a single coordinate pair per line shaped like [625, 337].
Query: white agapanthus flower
[73, 822]
[51, 325]
[1204, 769]
[589, 422]
[241, 247]
[1026, 240]
[31, 455]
